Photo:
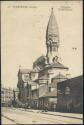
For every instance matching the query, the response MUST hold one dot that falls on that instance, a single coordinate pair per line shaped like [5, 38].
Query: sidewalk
[69, 115]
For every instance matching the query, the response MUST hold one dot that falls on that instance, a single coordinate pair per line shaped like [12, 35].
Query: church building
[47, 70]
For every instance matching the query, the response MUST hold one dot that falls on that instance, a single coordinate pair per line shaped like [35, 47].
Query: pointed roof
[52, 28]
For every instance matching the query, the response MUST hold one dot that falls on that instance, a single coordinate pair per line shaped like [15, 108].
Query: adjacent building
[70, 95]
[7, 96]
[25, 83]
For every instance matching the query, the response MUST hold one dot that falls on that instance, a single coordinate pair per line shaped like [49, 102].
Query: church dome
[52, 28]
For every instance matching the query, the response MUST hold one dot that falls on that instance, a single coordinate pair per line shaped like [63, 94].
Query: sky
[23, 35]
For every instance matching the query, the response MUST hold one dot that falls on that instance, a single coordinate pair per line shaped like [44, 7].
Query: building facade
[45, 68]
[25, 83]
[7, 96]
[70, 95]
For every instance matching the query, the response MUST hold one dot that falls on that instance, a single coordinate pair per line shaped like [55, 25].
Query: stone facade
[45, 68]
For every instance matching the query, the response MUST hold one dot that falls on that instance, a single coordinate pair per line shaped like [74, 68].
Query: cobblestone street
[20, 116]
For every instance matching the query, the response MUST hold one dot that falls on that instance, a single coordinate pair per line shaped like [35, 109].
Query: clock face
[25, 77]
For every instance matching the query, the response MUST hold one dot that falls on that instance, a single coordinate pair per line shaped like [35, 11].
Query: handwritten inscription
[62, 8]
[66, 6]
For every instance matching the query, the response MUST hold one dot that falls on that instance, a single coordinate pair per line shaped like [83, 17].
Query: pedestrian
[46, 107]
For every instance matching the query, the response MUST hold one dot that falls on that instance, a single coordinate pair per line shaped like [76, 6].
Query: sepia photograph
[41, 62]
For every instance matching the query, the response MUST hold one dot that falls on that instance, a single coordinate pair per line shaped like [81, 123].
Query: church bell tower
[52, 39]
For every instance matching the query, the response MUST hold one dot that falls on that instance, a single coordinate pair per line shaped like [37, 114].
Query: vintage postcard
[41, 62]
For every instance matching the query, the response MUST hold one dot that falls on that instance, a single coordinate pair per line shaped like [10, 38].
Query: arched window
[55, 59]
[67, 90]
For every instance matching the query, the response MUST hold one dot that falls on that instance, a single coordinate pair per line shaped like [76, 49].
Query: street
[20, 116]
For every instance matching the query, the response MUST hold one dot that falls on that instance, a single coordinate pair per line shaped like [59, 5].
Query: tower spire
[19, 67]
[52, 9]
[52, 37]
[52, 27]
